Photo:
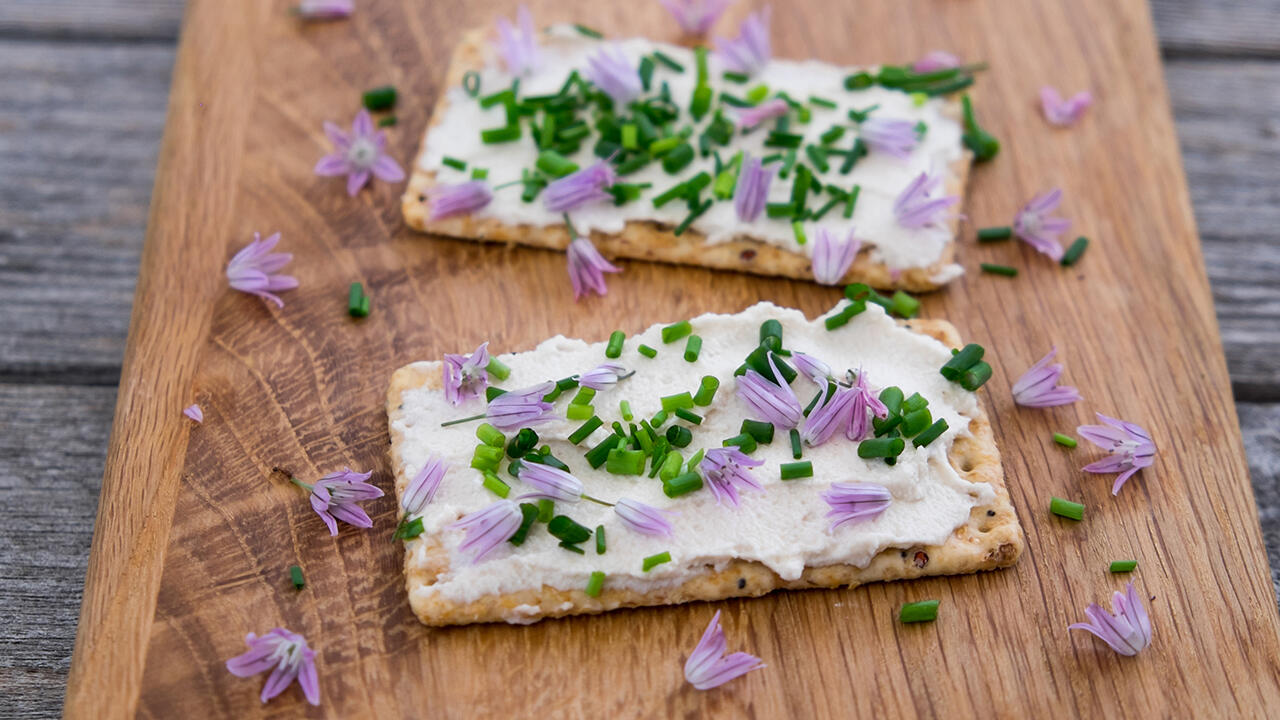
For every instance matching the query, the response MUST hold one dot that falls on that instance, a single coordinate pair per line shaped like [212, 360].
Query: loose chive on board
[1066, 509]
[923, 611]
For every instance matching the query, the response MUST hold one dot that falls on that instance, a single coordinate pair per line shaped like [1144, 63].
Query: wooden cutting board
[198, 525]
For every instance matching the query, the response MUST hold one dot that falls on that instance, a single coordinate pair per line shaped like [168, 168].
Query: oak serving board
[197, 526]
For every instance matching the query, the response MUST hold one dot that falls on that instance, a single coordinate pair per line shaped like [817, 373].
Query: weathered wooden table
[83, 87]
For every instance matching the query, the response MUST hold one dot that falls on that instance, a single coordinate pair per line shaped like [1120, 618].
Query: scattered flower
[1064, 112]
[1127, 628]
[696, 17]
[832, 257]
[1038, 387]
[460, 199]
[726, 472]
[752, 193]
[1130, 448]
[602, 376]
[325, 9]
[587, 268]
[914, 207]
[424, 485]
[287, 656]
[584, 187]
[520, 408]
[335, 495]
[772, 401]
[253, 269]
[851, 502]
[550, 483]
[617, 76]
[194, 412]
[1034, 226]
[642, 518]
[846, 408]
[750, 51]
[466, 376]
[811, 367]
[488, 528]
[708, 666]
[767, 110]
[890, 136]
[519, 50]
[936, 60]
[358, 155]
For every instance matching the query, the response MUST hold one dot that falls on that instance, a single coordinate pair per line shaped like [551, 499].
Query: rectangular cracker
[648, 240]
[990, 538]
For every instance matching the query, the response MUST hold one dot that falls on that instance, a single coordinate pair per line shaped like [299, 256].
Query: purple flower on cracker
[486, 529]
[772, 401]
[642, 518]
[833, 257]
[890, 136]
[518, 48]
[583, 187]
[727, 471]
[459, 199]
[422, 488]
[767, 110]
[602, 376]
[851, 502]
[613, 73]
[916, 206]
[550, 483]
[752, 192]
[520, 408]
[465, 376]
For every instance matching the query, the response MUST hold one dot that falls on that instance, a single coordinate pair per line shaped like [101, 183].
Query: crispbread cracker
[646, 240]
[992, 538]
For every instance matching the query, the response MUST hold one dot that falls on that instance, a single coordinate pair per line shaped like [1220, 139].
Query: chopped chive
[835, 133]
[707, 390]
[572, 547]
[963, 360]
[692, 347]
[689, 416]
[794, 470]
[1066, 509]
[700, 60]
[1073, 253]
[524, 442]
[695, 460]
[588, 32]
[630, 140]
[916, 422]
[567, 530]
[904, 305]
[994, 269]
[454, 162]
[679, 436]
[492, 392]
[743, 442]
[471, 83]
[671, 403]
[818, 157]
[681, 484]
[1002, 232]
[693, 215]
[771, 335]
[625, 462]
[595, 584]
[408, 529]
[797, 229]
[529, 514]
[931, 433]
[923, 611]
[357, 301]
[851, 201]
[667, 60]
[646, 71]
[701, 101]
[1064, 440]
[1117, 566]
[762, 432]
[500, 135]
[795, 443]
[655, 560]
[584, 397]
[599, 454]
[388, 121]
[490, 435]
[489, 454]
[624, 408]
[658, 418]
[614, 348]
[555, 164]
[479, 173]
[671, 464]
[579, 412]
[584, 431]
[881, 448]
[497, 369]
[892, 399]
[783, 140]
[778, 210]
[633, 164]
[546, 510]
[821, 102]
[647, 351]
[379, 98]
[676, 331]
[843, 317]
[295, 576]
[736, 77]
[495, 485]
[757, 93]
[976, 376]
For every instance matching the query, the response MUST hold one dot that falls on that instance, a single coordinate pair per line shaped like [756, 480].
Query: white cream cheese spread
[784, 527]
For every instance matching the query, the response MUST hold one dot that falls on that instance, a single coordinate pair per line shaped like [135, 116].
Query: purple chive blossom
[726, 471]
[811, 367]
[550, 483]
[465, 376]
[587, 268]
[613, 73]
[358, 155]
[1063, 112]
[750, 51]
[1127, 628]
[424, 485]
[696, 17]
[1130, 448]
[936, 60]
[520, 408]
[288, 658]
[753, 189]
[846, 408]
[519, 49]
[772, 401]
[1034, 225]
[641, 518]
[914, 207]
[584, 187]
[832, 257]
[767, 110]
[325, 9]
[335, 495]
[194, 412]
[851, 502]
[602, 376]
[889, 136]
[1038, 387]
[460, 199]
[253, 270]
[488, 528]
[708, 666]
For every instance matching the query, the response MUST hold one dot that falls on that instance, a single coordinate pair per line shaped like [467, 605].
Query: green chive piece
[671, 464]
[471, 83]
[599, 454]
[379, 98]
[577, 411]
[797, 229]
[821, 102]
[904, 306]
[795, 443]
[1064, 440]
[999, 269]
[794, 470]
[843, 317]
[546, 509]
[572, 547]
[678, 159]
[487, 455]
[388, 121]
[529, 514]
[1073, 253]
[295, 576]
[679, 436]
[676, 331]
[584, 397]
[962, 361]
[694, 461]
[454, 162]
[881, 448]
[892, 399]
[655, 560]
[584, 431]
[490, 435]
[757, 94]
[479, 173]
[595, 584]
[706, 390]
[567, 530]
[736, 77]
[771, 335]
[743, 442]
[624, 409]
[493, 136]
[647, 351]
[614, 348]
[916, 422]
[1118, 566]
[492, 392]
[408, 529]
[646, 71]
[667, 60]
[694, 214]
[976, 376]
[658, 418]
[357, 301]
[555, 164]
[689, 416]
[1000, 232]
[681, 484]
[588, 32]
[671, 403]
[625, 462]
[923, 611]
[931, 433]
[692, 348]
[1066, 509]
[497, 369]
[495, 485]
[761, 432]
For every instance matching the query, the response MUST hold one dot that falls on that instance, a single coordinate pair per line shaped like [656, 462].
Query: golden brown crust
[647, 240]
[992, 538]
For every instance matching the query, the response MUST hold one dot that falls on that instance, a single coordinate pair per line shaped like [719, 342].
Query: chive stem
[923, 611]
[1066, 509]
[994, 269]
[1064, 440]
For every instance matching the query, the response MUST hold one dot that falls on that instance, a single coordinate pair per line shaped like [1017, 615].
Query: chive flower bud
[486, 529]
[750, 51]
[890, 136]
[695, 17]
[460, 199]
[772, 401]
[851, 502]
[519, 408]
[1126, 629]
[642, 518]
[613, 73]
[587, 268]
[916, 207]
[424, 485]
[752, 192]
[466, 376]
[709, 667]
[602, 376]
[1034, 225]
[832, 257]
[727, 470]
[1038, 387]
[584, 187]
[1060, 112]
[519, 50]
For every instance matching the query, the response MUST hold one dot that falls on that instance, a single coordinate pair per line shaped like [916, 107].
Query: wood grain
[298, 390]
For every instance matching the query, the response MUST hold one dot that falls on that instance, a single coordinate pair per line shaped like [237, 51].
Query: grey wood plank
[119, 20]
[1261, 429]
[52, 449]
[1218, 27]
